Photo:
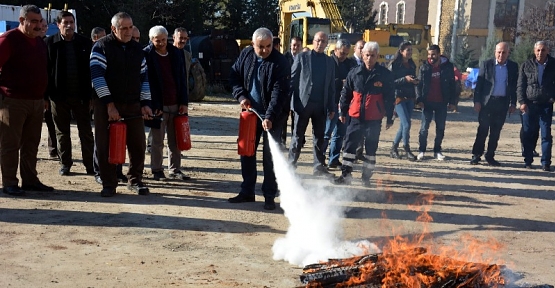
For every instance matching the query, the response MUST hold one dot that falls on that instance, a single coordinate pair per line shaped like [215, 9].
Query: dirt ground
[186, 233]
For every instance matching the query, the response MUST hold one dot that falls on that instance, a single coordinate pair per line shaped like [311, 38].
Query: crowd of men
[346, 100]
[67, 75]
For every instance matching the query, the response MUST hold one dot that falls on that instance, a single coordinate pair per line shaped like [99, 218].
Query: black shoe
[139, 187]
[342, 180]
[37, 187]
[108, 192]
[178, 175]
[546, 168]
[98, 179]
[528, 166]
[493, 162]
[159, 175]
[122, 178]
[241, 198]
[269, 204]
[394, 153]
[411, 157]
[64, 171]
[335, 164]
[475, 160]
[13, 190]
[536, 154]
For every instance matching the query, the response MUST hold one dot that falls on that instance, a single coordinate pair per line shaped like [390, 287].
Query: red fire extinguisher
[182, 132]
[118, 135]
[247, 133]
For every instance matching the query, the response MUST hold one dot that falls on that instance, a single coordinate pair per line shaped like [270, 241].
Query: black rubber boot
[394, 153]
[410, 156]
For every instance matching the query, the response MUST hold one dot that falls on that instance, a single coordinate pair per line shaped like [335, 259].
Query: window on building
[401, 12]
[383, 13]
[506, 13]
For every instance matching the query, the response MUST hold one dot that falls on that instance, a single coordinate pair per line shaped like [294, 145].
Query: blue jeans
[248, 165]
[335, 130]
[438, 111]
[539, 116]
[404, 112]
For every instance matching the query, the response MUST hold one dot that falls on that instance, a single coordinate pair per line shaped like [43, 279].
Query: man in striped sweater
[120, 82]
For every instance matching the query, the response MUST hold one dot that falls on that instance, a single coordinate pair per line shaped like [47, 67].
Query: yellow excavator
[325, 16]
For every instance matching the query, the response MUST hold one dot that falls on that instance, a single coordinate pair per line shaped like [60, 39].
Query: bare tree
[538, 23]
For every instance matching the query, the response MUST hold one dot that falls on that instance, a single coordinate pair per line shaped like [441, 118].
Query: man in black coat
[435, 93]
[495, 94]
[536, 94]
[260, 79]
[168, 88]
[69, 90]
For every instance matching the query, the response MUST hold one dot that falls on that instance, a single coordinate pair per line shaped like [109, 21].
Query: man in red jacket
[22, 86]
[367, 97]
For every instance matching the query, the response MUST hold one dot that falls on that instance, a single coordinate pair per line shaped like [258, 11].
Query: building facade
[456, 23]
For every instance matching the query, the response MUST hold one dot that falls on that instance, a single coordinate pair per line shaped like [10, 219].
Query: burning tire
[197, 83]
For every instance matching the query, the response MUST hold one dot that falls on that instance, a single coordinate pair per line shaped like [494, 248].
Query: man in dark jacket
[120, 81]
[166, 74]
[260, 79]
[536, 94]
[335, 130]
[435, 93]
[495, 94]
[69, 90]
[313, 93]
[367, 97]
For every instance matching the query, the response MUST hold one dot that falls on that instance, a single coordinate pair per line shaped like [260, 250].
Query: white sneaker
[420, 156]
[439, 156]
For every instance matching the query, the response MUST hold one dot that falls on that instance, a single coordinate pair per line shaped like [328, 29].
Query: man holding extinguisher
[120, 81]
[260, 80]
[168, 88]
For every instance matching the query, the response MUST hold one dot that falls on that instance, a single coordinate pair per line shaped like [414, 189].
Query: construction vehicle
[216, 53]
[9, 17]
[390, 36]
[325, 16]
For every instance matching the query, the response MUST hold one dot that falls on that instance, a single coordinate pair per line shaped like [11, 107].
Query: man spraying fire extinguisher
[367, 97]
[260, 79]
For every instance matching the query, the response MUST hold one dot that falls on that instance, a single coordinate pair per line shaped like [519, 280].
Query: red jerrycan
[117, 142]
[182, 132]
[247, 133]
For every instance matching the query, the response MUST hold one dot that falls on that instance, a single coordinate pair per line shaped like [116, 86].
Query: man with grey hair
[335, 130]
[536, 94]
[120, 81]
[260, 79]
[22, 87]
[97, 33]
[168, 88]
[494, 96]
[313, 99]
[136, 34]
[367, 96]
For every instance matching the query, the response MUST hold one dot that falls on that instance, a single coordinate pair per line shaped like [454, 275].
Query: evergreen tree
[357, 14]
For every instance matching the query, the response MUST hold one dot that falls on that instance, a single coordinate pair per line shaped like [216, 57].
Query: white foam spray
[315, 216]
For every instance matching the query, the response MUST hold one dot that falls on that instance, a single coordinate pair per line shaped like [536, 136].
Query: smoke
[315, 216]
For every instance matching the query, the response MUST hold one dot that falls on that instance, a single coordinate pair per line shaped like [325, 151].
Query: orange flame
[419, 262]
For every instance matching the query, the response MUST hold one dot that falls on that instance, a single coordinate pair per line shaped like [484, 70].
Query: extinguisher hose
[256, 113]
